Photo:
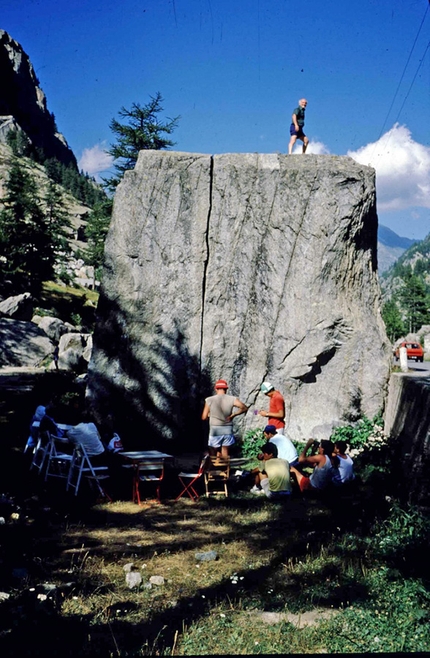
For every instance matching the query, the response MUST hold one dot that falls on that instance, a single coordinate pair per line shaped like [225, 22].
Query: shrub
[366, 435]
[252, 442]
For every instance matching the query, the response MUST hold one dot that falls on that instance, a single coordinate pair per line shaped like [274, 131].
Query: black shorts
[298, 133]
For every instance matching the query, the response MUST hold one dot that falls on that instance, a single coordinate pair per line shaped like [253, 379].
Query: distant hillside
[390, 247]
[77, 212]
[406, 291]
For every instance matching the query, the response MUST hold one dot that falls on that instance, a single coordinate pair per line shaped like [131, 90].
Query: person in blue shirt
[296, 128]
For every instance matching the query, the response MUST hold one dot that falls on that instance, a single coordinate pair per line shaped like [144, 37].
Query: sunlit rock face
[248, 267]
[23, 103]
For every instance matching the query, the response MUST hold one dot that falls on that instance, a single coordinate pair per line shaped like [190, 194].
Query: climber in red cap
[219, 409]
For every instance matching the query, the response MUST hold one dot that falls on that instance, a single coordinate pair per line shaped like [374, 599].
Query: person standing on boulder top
[296, 128]
[219, 410]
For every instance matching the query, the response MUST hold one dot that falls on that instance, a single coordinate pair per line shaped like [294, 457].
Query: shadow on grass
[293, 530]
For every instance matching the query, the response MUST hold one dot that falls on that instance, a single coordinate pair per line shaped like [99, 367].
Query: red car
[413, 351]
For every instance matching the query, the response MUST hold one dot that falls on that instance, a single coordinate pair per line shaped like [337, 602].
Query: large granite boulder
[18, 307]
[247, 267]
[53, 327]
[23, 344]
[74, 352]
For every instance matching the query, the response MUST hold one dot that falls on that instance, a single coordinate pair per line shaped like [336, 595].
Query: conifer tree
[415, 302]
[57, 220]
[143, 130]
[96, 232]
[25, 239]
[392, 317]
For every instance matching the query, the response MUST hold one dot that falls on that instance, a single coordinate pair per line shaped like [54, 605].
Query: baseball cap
[270, 429]
[266, 387]
[221, 383]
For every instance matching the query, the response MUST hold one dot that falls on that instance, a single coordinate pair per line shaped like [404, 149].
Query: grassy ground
[72, 304]
[276, 563]
[342, 574]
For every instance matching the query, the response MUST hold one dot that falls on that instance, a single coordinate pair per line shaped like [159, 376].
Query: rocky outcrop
[247, 267]
[23, 344]
[74, 352]
[23, 103]
[18, 307]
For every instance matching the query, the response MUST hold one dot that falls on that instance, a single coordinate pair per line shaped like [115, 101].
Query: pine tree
[392, 317]
[414, 302]
[96, 232]
[25, 238]
[143, 130]
[57, 220]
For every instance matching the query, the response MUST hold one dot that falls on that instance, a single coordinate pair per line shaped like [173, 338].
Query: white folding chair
[59, 457]
[40, 452]
[81, 466]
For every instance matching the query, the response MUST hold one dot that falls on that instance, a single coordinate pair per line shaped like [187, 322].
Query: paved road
[415, 365]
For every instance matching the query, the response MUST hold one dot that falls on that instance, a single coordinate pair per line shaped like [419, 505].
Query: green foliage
[19, 143]
[357, 436]
[96, 231]
[143, 130]
[252, 442]
[27, 238]
[415, 302]
[76, 319]
[410, 276]
[80, 185]
[394, 619]
[392, 317]
[405, 529]
[57, 218]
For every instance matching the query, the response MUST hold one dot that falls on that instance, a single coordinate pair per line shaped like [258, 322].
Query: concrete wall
[407, 419]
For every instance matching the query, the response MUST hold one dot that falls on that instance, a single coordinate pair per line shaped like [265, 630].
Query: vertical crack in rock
[205, 267]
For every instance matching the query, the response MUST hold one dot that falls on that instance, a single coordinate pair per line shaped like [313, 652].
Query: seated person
[321, 476]
[343, 470]
[274, 478]
[35, 428]
[86, 433]
[48, 424]
[286, 448]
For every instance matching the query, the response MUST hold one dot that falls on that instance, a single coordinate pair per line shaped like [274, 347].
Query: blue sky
[234, 71]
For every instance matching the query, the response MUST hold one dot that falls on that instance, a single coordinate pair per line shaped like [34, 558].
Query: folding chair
[192, 477]
[217, 475]
[59, 457]
[81, 466]
[40, 452]
[147, 471]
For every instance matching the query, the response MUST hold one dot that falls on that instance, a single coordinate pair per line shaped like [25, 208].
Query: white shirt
[286, 449]
[88, 435]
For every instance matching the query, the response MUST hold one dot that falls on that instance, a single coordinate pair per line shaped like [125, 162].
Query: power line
[404, 71]
[412, 83]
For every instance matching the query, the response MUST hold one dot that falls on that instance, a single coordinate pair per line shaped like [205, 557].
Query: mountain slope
[390, 247]
[22, 100]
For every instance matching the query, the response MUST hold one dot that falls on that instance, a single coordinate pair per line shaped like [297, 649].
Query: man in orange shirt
[276, 413]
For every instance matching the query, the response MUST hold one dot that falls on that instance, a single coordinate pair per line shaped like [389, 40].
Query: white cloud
[95, 160]
[315, 148]
[402, 169]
